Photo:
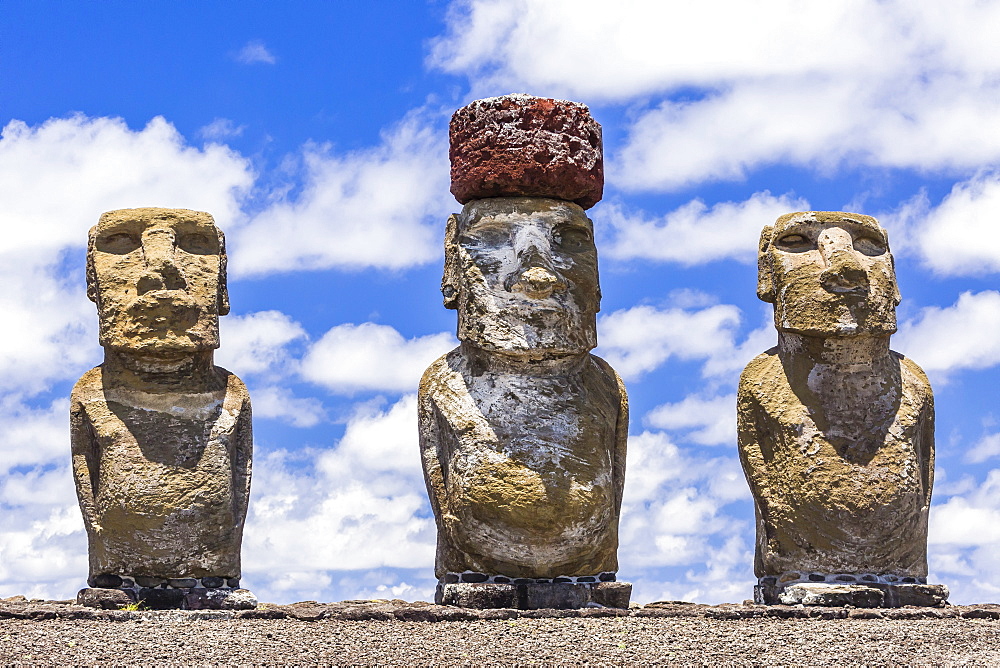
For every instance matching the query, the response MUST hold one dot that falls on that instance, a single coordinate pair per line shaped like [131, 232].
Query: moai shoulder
[836, 431]
[161, 437]
[522, 430]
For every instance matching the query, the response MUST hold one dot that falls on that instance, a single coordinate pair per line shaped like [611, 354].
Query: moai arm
[83, 444]
[754, 454]
[243, 458]
[621, 441]
[433, 474]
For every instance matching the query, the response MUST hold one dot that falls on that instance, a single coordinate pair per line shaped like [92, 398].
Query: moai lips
[519, 145]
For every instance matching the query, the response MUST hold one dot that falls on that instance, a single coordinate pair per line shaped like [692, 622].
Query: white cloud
[279, 403]
[221, 128]
[639, 339]
[359, 506]
[381, 207]
[901, 88]
[961, 336]
[253, 52]
[961, 237]
[710, 421]
[351, 358]
[58, 177]
[258, 343]
[987, 448]
[696, 233]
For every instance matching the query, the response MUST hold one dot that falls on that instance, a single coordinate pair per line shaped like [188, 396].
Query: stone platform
[534, 595]
[859, 591]
[112, 592]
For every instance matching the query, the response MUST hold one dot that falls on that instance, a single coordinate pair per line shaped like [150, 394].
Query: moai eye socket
[198, 243]
[118, 243]
[572, 238]
[870, 245]
[795, 243]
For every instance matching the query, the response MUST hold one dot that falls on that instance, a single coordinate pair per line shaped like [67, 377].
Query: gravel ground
[594, 641]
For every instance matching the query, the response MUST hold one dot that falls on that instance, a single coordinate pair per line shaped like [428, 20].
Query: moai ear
[451, 280]
[765, 273]
[223, 284]
[896, 297]
[91, 269]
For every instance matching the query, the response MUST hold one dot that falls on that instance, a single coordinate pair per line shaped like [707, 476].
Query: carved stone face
[828, 274]
[158, 279]
[522, 272]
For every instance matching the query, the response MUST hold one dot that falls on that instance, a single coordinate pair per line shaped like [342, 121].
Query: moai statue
[161, 437]
[836, 431]
[522, 430]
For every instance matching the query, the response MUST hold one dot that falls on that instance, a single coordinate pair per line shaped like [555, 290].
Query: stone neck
[524, 364]
[842, 351]
[186, 372]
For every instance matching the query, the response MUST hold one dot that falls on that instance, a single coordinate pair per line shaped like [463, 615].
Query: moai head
[520, 260]
[158, 277]
[828, 273]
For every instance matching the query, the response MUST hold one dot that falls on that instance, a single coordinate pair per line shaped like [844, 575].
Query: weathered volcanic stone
[832, 595]
[161, 437]
[558, 596]
[104, 599]
[522, 145]
[836, 431]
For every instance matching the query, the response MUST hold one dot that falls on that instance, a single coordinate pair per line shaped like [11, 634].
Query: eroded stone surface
[522, 145]
[836, 431]
[535, 596]
[161, 437]
[522, 430]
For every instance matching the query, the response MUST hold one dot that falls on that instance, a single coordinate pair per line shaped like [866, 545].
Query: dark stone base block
[534, 596]
[167, 598]
[866, 595]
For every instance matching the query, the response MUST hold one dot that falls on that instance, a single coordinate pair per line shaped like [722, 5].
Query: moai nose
[844, 271]
[538, 283]
[162, 272]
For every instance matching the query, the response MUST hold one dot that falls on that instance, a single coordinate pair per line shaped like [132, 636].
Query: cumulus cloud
[380, 207]
[960, 237]
[639, 339]
[258, 343]
[351, 358]
[987, 448]
[706, 421]
[901, 89]
[964, 541]
[696, 233]
[254, 52]
[673, 519]
[219, 129]
[360, 506]
[949, 339]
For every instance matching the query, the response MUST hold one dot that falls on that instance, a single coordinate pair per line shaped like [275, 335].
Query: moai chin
[161, 437]
[836, 431]
[522, 430]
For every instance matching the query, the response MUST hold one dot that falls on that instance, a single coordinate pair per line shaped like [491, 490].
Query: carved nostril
[537, 283]
[844, 273]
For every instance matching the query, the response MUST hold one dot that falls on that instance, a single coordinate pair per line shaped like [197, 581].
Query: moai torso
[161, 437]
[522, 430]
[842, 484]
[525, 474]
[165, 476]
[836, 431]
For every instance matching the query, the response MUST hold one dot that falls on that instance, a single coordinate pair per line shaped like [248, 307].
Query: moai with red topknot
[522, 430]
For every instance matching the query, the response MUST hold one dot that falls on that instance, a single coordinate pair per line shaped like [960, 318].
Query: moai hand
[522, 430]
[161, 437]
[836, 431]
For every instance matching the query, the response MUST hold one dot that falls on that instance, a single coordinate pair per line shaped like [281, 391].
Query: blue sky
[316, 134]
